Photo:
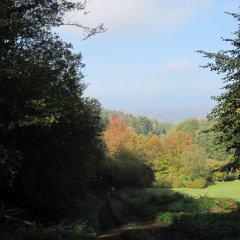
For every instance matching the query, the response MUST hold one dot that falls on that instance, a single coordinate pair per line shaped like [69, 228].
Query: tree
[50, 135]
[206, 140]
[117, 133]
[154, 146]
[125, 164]
[177, 142]
[227, 113]
[190, 126]
[126, 168]
[143, 125]
[194, 162]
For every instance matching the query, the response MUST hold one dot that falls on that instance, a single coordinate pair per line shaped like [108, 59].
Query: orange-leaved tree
[117, 134]
[125, 164]
[177, 142]
[154, 146]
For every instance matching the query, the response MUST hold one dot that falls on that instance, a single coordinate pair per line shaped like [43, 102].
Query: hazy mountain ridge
[171, 115]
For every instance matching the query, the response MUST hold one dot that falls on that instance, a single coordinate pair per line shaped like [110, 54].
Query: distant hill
[171, 115]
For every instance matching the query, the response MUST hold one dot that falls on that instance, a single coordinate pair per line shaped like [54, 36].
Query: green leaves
[50, 135]
[226, 113]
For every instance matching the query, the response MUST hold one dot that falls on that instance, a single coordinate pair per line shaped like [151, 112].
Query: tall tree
[50, 135]
[227, 112]
[206, 140]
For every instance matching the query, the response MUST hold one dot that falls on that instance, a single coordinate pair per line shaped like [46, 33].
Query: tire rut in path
[114, 233]
[107, 219]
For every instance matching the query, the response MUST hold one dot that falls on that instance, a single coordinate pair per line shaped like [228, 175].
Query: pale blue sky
[147, 58]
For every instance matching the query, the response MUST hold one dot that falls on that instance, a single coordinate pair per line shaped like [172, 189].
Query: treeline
[199, 131]
[140, 124]
[185, 156]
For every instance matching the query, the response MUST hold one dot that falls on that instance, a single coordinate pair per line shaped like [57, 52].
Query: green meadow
[229, 190]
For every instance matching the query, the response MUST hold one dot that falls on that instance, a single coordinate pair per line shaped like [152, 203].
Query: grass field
[219, 190]
[211, 213]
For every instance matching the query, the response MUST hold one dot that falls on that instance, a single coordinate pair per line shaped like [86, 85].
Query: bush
[176, 181]
[161, 180]
[166, 218]
[168, 180]
[196, 183]
[199, 182]
[233, 175]
[218, 176]
[127, 169]
[76, 231]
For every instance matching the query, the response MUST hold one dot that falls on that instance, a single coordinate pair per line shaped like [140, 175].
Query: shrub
[218, 176]
[16, 231]
[177, 182]
[199, 183]
[196, 183]
[166, 218]
[233, 175]
[162, 180]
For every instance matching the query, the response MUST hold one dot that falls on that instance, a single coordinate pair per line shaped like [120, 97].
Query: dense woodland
[181, 155]
[61, 153]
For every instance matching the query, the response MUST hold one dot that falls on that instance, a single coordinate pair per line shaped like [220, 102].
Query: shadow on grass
[182, 217]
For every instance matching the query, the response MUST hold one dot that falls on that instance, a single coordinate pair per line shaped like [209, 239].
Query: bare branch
[89, 31]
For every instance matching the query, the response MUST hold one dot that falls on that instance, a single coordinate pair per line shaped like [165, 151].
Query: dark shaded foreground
[139, 215]
[159, 231]
[172, 217]
[106, 217]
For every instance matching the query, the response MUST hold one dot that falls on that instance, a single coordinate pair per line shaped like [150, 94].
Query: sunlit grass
[219, 190]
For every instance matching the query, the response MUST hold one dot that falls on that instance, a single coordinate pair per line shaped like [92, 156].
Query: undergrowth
[16, 231]
[191, 218]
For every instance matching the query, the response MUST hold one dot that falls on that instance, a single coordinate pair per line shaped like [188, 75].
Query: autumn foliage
[126, 162]
[117, 133]
[177, 142]
[137, 160]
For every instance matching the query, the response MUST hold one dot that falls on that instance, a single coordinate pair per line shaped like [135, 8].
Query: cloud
[133, 16]
[179, 66]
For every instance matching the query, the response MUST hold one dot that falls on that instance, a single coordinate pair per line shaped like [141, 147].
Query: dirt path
[116, 229]
[133, 213]
[112, 234]
[107, 219]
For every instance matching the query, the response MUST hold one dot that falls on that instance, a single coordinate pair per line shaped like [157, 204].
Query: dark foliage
[50, 135]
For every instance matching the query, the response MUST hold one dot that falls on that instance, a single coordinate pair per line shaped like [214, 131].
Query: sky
[147, 57]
